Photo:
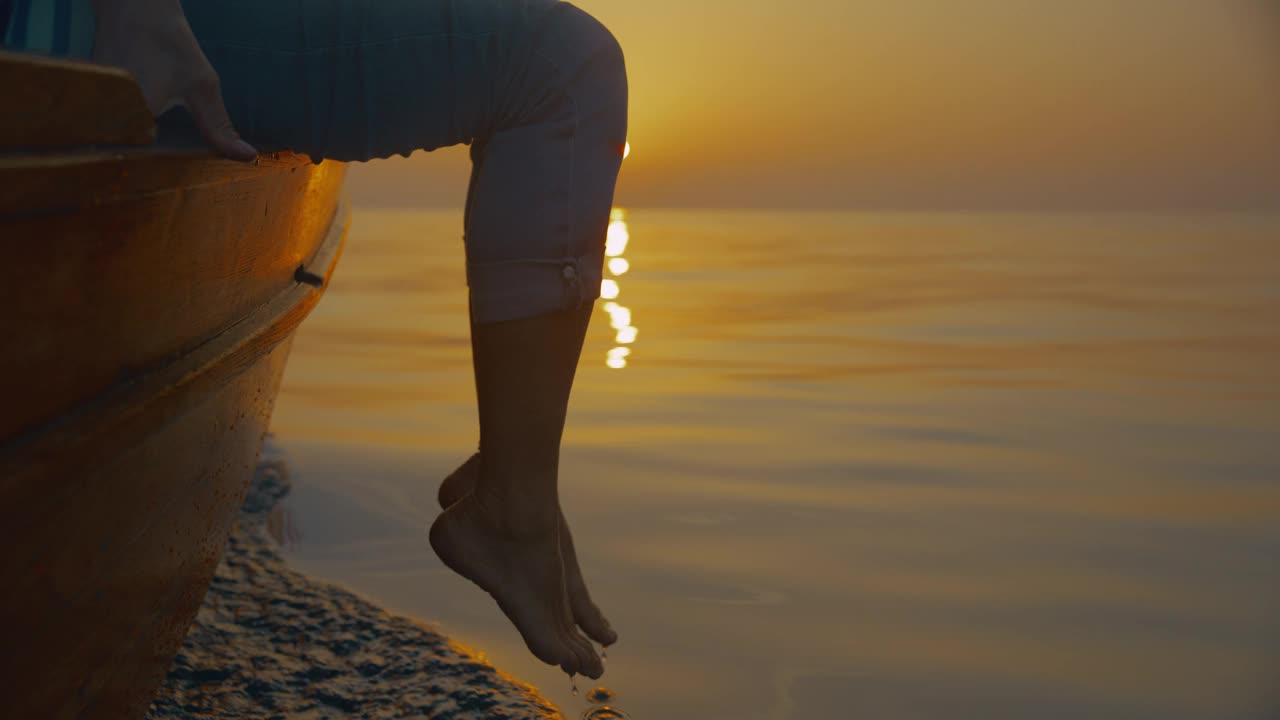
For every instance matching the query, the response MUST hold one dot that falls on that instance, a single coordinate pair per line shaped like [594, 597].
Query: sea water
[830, 465]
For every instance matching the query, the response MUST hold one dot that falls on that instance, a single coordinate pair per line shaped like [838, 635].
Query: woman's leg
[539, 88]
[504, 536]
[537, 216]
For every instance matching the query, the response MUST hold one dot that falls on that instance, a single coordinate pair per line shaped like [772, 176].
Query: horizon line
[894, 210]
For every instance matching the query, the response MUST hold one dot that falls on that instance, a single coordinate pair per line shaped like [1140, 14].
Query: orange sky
[931, 104]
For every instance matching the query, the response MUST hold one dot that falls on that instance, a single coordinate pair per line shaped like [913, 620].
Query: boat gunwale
[82, 434]
[59, 180]
[22, 158]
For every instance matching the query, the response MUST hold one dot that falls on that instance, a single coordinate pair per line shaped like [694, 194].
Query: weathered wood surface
[53, 102]
[137, 260]
[148, 308]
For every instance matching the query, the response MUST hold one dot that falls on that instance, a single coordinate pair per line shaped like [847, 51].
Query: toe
[589, 662]
[570, 662]
[593, 623]
[550, 642]
[585, 613]
[553, 651]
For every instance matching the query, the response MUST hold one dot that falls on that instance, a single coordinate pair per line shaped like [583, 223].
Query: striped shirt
[50, 27]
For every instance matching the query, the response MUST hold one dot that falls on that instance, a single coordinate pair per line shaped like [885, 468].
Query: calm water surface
[852, 466]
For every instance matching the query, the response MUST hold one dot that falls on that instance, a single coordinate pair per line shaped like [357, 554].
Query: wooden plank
[116, 512]
[113, 573]
[53, 102]
[66, 180]
[171, 253]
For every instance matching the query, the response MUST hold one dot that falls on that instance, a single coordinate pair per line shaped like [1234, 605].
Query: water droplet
[573, 684]
[604, 652]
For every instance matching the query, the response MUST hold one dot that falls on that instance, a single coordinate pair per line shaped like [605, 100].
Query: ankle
[517, 515]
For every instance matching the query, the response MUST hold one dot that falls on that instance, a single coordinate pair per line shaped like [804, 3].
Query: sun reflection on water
[619, 315]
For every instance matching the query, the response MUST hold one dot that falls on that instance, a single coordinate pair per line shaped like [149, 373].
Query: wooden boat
[149, 295]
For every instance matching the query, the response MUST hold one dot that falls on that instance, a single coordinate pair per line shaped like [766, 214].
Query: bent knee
[607, 53]
[591, 64]
[614, 64]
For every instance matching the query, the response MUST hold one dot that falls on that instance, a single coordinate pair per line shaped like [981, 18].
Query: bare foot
[524, 574]
[585, 612]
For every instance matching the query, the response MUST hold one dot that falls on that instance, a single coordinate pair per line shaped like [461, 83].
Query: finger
[204, 102]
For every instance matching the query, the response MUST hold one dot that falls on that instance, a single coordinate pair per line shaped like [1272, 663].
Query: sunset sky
[930, 104]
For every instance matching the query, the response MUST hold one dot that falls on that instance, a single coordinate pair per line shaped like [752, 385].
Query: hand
[152, 40]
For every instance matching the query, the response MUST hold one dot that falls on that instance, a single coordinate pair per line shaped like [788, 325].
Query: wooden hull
[149, 301]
